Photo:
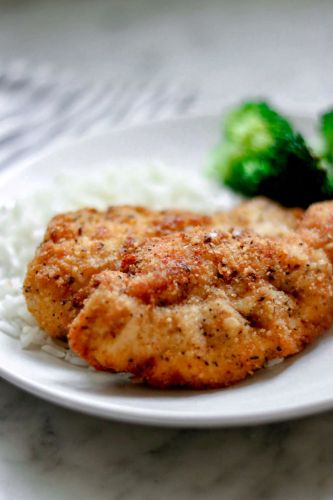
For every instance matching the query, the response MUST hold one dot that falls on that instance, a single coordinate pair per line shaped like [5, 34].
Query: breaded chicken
[205, 309]
[79, 245]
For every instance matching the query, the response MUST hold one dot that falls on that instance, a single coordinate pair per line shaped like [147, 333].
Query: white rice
[273, 362]
[23, 223]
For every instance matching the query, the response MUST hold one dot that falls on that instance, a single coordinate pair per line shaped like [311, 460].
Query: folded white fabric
[39, 107]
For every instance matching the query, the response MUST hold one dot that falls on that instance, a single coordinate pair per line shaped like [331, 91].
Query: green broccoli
[326, 150]
[326, 129]
[261, 154]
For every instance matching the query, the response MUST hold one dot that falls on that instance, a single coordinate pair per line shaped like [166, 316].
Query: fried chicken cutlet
[205, 309]
[79, 245]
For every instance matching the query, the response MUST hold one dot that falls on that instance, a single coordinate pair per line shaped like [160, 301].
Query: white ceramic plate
[300, 386]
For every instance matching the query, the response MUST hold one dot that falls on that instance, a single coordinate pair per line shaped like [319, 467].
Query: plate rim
[65, 145]
[161, 418]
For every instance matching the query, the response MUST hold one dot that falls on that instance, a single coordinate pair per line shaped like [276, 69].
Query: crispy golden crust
[316, 227]
[205, 309]
[81, 244]
[261, 215]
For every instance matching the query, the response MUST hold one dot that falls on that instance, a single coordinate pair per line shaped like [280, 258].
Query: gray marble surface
[223, 50]
[49, 452]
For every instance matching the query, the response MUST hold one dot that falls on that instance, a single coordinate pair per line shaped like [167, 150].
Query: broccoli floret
[327, 187]
[261, 154]
[326, 129]
[254, 126]
[326, 150]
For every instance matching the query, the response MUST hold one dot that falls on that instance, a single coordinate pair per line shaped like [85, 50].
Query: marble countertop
[50, 452]
[223, 50]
